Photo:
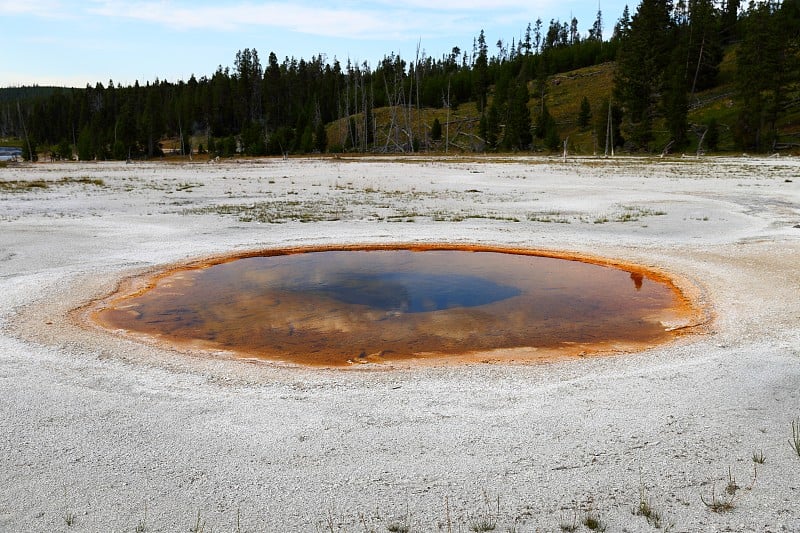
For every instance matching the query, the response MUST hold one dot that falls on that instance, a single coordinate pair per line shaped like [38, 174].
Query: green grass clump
[794, 442]
[592, 521]
[759, 457]
[717, 505]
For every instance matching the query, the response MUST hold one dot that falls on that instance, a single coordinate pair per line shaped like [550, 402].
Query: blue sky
[55, 42]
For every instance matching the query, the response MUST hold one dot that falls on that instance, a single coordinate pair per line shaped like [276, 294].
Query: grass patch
[69, 516]
[731, 487]
[628, 213]
[634, 213]
[645, 508]
[22, 185]
[32, 185]
[593, 522]
[721, 504]
[548, 217]
[83, 180]
[759, 457]
[569, 526]
[276, 212]
[794, 442]
[141, 525]
[483, 525]
[199, 524]
[186, 186]
[487, 519]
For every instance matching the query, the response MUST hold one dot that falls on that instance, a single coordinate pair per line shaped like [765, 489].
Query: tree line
[665, 55]
[670, 52]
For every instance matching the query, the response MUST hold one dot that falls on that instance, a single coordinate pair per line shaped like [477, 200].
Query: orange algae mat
[337, 307]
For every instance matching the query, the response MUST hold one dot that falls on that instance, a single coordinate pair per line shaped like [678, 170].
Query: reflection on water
[411, 292]
[331, 307]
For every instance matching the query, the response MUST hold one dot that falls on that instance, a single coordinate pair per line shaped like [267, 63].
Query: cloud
[39, 8]
[354, 20]
[299, 18]
[473, 5]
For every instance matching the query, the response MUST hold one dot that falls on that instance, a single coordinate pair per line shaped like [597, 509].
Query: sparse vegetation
[759, 457]
[570, 526]
[141, 525]
[646, 509]
[634, 213]
[483, 525]
[69, 515]
[28, 185]
[592, 521]
[199, 524]
[718, 505]
[794, 442]
[731, 487]
[548, 217]
[487, 519]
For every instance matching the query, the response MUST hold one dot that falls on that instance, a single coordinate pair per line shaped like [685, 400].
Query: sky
[56, 42]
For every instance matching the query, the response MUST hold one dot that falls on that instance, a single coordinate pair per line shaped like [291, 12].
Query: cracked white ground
[112, 434]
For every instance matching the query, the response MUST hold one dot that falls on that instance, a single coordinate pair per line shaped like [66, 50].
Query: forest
[660, 57]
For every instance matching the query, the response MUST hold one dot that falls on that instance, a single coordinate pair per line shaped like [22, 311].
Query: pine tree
[547, 129]
[321, 138]
[481, 72]
[585, 114]
[703, 45]
[596, 31]
[29, 150]
[762, 62]
[729, 20]
[489, 127]
[517, 135]
[712, 134]
[436, 130]
[623, 26]
[641, 61]
[85, 145]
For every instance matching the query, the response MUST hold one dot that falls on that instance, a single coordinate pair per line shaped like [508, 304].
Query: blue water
[333, 307]
[8, 153]
[411, 292]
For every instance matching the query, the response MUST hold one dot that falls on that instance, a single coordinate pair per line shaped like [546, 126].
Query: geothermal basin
[344, 306]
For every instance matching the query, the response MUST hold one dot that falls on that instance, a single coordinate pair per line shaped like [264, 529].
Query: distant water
[8, 153]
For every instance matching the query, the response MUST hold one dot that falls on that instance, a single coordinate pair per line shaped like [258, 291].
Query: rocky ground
[101, 432]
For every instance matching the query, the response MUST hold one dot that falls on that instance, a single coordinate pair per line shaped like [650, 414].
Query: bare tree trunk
[347, 102]
[393, 126]
[180, 133]
[25, 131]
[609, 130]
[667, 148]
[700, 142]
[353, 135]
[697, 70]
[447, 122]
[371, 108]
[409, 111]
[419, 109]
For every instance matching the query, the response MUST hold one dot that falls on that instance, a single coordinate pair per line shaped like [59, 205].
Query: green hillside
[564, 92]
[668, 77]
